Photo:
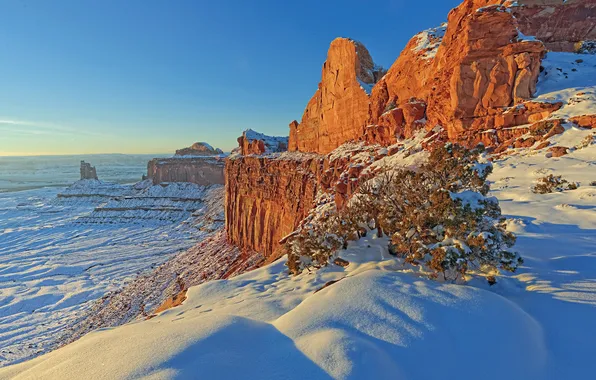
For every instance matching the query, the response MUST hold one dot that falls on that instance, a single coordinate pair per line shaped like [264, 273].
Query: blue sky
[151, 76]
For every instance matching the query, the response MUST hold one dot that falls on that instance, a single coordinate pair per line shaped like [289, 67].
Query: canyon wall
[200, 164]
[200, 170]
[561, 25]
[470, 80]
[339, 108]
[266, 198]
[463, 76]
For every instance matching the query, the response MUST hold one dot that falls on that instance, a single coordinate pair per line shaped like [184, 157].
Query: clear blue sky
[150, 76]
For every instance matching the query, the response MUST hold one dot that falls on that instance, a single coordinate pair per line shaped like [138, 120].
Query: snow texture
[62, 249]
[429, 41]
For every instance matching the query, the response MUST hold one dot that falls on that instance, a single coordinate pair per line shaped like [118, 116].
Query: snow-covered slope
[380, 321]
[374, 323]
[59, 254]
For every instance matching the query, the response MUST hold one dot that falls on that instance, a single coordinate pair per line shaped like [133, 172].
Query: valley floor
[58, 255]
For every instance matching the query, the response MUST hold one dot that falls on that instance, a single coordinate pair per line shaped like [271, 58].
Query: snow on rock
[429, 41]
[252, 142]
[211, 259]
[59, 252]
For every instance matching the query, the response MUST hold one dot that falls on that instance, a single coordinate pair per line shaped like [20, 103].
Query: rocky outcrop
[199, 149]
[199, 170]
[469, 81]
[561, 25]
[338, 110]
[266, 198]
[200, 164]
[88, 171]
[465, 76]
[252, 142]
[585, 121]
[482, 66]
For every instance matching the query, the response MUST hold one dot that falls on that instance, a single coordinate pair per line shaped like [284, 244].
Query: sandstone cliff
[200, 170]
[252, 142]
[464, 75]
[266, 197]
[470, 80]
[200, 164]
[339, 108]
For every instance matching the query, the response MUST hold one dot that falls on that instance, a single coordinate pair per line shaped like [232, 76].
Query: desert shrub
[437, 217]
[587, 141]
[593, 183]
[551, 184]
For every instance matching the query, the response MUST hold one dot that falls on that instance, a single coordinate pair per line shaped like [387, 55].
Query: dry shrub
[552, 183]
[438, 218]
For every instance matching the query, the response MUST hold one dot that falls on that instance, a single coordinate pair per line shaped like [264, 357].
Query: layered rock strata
[199, 170]
[339, 108]
[469, 81]
[200, 164]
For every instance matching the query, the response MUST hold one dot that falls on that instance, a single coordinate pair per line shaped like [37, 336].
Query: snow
[266, 324]
[380, 319]
[429, 41]
[59, 254]
[376, 318]
[569, 78]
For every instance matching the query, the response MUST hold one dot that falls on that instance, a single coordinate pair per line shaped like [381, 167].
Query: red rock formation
[480, 67]
[339, 108]
[252, 142]
[408, 76]
[558, 151]
[199, 149]
[561, 25]
[585, 121]
[202, 171]
[475, 78]
[266, 199]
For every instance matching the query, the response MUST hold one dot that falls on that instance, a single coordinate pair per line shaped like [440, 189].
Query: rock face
[339, 108]
[464, 75]
[266, 198]
[585, 121]
[468, 81]
[200, 164]
[252, 142]
[88, 171]
[561, 25]
[200, 170]
[199, 149]
[482, 66]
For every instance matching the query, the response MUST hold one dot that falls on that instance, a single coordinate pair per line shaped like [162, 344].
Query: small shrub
[552, 183]
[587, 141]
[593, 183]
[438, 218]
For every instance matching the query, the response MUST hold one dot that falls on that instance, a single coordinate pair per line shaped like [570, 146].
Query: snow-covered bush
[551, 184]
[587, 141]
[438, 218]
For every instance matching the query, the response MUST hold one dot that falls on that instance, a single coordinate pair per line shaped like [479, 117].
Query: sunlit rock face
[338, 110]
[200, 164]
[472, 78]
